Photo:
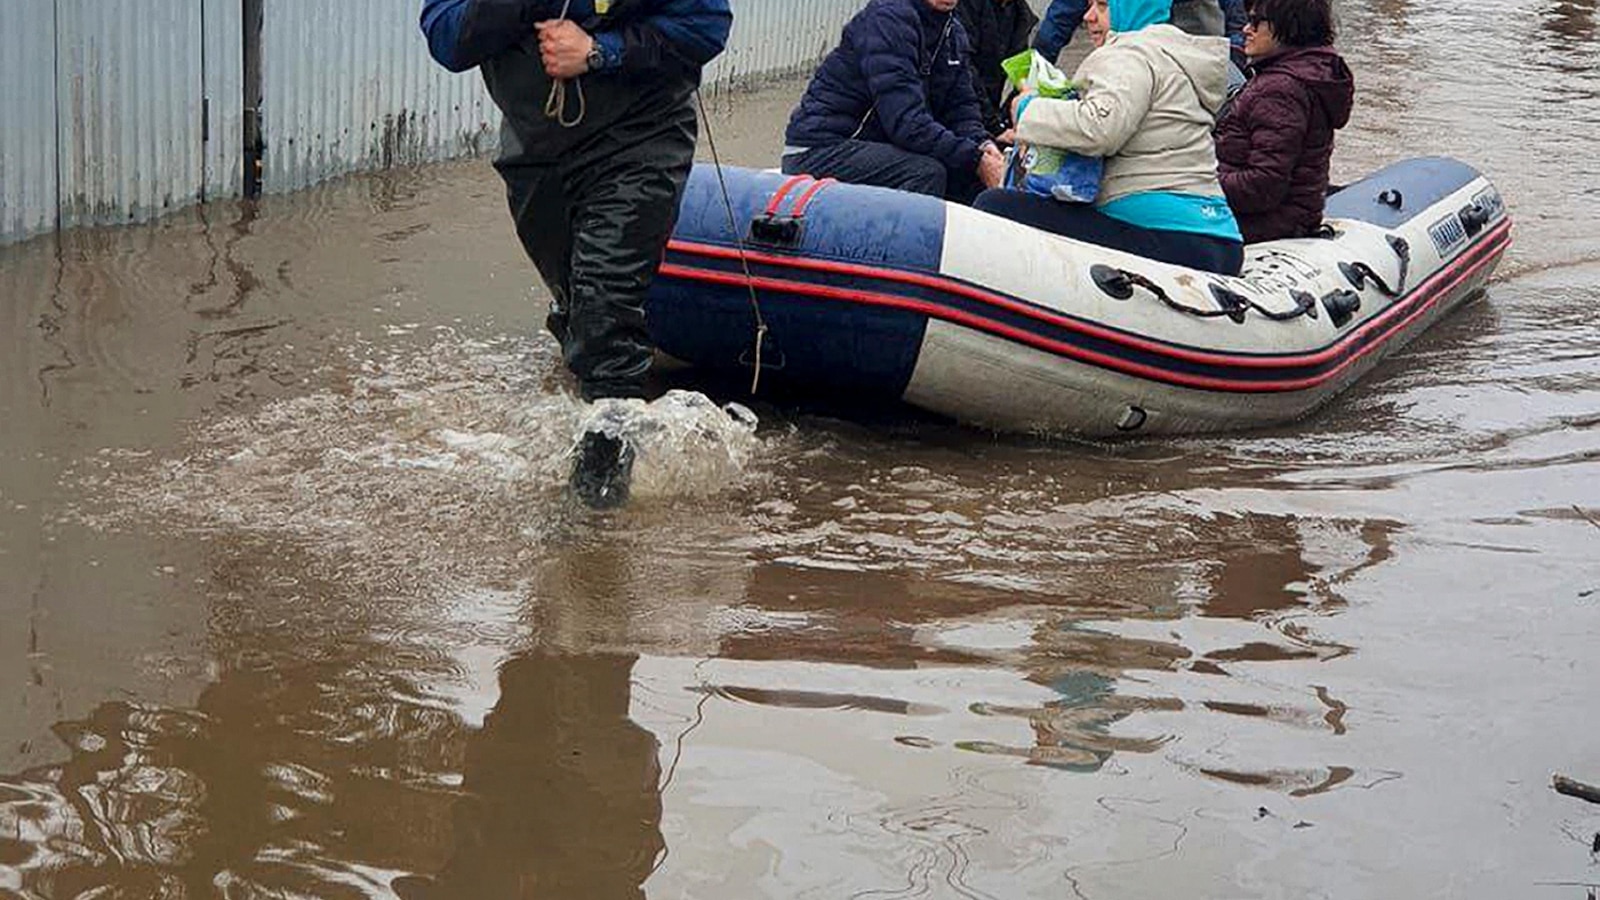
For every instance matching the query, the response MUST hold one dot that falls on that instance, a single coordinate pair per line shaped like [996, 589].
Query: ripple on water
[1237, 623]
[414, 450]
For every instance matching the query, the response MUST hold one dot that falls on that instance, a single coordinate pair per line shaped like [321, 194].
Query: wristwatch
[597, 60]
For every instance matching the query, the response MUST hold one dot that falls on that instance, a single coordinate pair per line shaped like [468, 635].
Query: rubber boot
[602, 471]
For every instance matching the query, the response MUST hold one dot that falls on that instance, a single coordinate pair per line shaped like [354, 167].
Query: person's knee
[925, 175]
[1018, 206]
[992, 201]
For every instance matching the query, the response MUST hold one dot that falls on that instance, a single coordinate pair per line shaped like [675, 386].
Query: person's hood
[1324, 72]
[1137, 15]
[1204, 60]
[1199, 17]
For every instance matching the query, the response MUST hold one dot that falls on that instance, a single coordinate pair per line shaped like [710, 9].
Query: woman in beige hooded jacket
[1149, 99]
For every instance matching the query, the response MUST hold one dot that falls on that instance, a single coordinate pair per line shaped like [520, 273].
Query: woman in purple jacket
[1274, 146]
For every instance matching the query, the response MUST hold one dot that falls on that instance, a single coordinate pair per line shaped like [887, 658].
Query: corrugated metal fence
[349, 86]
[104, 116]
[775, 37]
[129, 107]
[28, 184]
[115, 111]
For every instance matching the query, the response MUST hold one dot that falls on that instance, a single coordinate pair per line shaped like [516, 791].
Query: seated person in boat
[1275, 144]
[894, 106]
[1150, 94]
[998, 30]
[1062, 18]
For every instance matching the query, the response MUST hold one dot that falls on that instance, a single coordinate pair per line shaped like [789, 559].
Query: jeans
[884, 165]
[1060, 23]
[1083, 222]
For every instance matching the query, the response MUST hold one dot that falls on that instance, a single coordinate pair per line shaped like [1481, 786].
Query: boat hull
[873, 294]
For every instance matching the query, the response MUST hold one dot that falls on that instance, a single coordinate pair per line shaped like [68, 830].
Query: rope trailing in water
[555, 107]
[738, 238]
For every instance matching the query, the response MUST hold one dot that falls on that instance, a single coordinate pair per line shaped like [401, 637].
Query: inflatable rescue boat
[875, 293]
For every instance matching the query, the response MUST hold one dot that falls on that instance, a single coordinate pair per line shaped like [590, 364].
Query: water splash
[684, 444]
[412, 449]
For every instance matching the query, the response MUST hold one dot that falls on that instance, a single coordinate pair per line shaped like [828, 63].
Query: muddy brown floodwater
[291, 606]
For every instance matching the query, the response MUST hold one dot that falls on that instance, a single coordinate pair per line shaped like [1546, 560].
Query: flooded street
[292, 604]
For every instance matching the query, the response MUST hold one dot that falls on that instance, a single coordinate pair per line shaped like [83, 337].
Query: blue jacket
[635, 35]
[1234, 14]
[899, 76]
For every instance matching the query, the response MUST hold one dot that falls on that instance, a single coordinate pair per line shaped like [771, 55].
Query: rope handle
[555, 106]
[1230, 304]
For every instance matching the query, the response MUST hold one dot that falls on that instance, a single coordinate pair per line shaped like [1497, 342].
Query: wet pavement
[291, 604]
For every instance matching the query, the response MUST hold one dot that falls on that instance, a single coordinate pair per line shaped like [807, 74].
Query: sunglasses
[1254, 20]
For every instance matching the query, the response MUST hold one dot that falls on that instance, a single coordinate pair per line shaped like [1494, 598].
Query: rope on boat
[1230, 304]
[738, 239]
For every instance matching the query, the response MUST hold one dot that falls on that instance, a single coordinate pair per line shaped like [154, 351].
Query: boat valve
[1133, 419]
[1342, 305]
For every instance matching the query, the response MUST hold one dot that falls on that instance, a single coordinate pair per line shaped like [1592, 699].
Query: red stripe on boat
[811, 193]
[1429, 292]
[783, 191]
[949, 285]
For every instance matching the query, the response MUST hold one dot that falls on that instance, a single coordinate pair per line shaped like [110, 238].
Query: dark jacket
[653, 52]
[1218, 18]
[998, 30]
[899, 76]
[1274, 147]
[1215, 18]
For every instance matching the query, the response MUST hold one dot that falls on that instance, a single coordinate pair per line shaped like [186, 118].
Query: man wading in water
[598, 140]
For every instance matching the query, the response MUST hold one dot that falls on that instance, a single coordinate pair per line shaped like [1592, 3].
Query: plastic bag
[1048, 171]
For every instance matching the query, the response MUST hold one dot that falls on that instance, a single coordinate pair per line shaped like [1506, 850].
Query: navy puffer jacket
[899, 76]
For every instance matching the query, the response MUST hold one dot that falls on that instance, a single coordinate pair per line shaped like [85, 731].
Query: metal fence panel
[129, 105]
[350, 86]
[118, 110]
[778, 37]
[223, 54]
[27, 118]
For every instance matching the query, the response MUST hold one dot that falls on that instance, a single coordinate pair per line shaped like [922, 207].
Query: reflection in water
[122, 814]
[50, 324]
[1572, 21]
[278, 787]
[561, 789]
[244, 280]
[1262, 571]
[1263, 579]
[337, 754]
[946, 665]
[1074, 732]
